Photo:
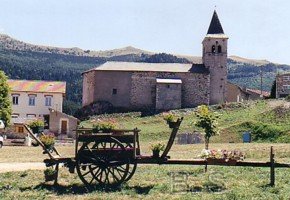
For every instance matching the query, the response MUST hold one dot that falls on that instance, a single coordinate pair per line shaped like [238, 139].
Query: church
[163, 86]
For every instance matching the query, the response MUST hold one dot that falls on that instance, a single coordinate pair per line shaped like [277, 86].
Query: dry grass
[254, 151]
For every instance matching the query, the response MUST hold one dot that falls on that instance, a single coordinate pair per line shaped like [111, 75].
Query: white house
[32, 99]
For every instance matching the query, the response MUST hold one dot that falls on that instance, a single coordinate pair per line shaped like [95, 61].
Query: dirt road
[11, 167]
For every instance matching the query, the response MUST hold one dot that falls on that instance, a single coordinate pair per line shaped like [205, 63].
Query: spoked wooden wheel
[132, 166]
[102, 162]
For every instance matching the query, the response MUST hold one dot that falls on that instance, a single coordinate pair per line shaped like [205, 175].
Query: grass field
[174, 181]
[156, 181]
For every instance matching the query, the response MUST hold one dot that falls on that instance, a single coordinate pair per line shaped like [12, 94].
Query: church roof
[150, 67]
[215, 26]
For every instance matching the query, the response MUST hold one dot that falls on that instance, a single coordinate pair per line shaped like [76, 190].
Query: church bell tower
[214, 56]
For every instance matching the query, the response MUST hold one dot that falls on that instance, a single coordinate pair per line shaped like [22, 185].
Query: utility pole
[261, 86]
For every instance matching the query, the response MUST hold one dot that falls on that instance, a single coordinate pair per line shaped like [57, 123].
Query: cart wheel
[133, 165]
[102, 162]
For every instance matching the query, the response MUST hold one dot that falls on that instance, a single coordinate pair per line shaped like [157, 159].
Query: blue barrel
[246, 137]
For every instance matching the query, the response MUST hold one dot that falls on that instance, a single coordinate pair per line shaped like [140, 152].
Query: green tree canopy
[207, 120]
[5, 102]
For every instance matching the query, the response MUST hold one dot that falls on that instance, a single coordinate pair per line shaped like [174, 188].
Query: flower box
[216, 160]
[172, 124]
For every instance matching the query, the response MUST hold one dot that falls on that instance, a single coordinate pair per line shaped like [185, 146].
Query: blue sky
[258, 29]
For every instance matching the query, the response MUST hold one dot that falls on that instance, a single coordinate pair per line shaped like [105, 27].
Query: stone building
[282, 85]
[163, 86]
[62, 124]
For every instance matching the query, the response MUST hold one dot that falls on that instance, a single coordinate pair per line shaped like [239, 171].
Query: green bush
[266, 132]
[36, 125]
[287, 98]
[104, 126]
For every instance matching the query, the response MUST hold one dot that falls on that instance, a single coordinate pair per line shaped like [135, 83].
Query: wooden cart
[109, 159]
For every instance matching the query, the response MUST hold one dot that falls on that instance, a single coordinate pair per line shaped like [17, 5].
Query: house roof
[215, 26]
[37, 86]
[167, 80]
[150, 67]
[264, 93]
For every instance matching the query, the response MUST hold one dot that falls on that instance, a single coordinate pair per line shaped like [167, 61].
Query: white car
[2, 125]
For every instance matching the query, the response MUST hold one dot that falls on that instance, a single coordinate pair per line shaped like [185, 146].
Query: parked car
[2, 125]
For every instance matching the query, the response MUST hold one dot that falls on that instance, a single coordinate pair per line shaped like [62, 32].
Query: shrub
[36, 125]
[169, 117]
[287, 98]
[47, 140]
[157, 146]
[104, 126]
[266, 132]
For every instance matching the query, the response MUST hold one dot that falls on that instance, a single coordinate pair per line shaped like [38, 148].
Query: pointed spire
[215, 26]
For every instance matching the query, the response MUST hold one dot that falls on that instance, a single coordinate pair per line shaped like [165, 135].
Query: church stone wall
[194, 88]
[88, 87]
[168, 96]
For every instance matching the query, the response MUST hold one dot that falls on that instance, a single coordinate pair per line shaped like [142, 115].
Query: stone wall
[194, 88]
[216, 62]
[283, 85]
[235, 93]
[88, 87]
[55, 119]
[168, 96]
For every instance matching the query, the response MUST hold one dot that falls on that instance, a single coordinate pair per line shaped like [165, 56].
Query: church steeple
[215, 26]
[214, 56]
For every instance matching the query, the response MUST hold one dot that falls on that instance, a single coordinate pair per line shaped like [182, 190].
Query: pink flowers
[223, 154]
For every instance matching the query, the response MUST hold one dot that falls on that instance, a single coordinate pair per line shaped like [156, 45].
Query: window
[114, 91]
[219, 49]
[31, 100]
[213, 49]
[31, 115]
[15, 99]
[168, 86]
[286, 78]
[20, 129]
[14, 115]
[48, 100]
[286, 87]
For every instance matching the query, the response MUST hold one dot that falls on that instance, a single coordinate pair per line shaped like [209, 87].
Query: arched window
[213, 49]
[219, 49]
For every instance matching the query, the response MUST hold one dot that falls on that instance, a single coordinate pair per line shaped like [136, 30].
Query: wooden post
[56, 176]
[272, 169]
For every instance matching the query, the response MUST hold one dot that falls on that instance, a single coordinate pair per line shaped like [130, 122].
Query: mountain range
[21, 60]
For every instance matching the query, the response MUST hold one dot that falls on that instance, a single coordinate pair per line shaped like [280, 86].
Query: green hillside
[269, 121]
[20, 60]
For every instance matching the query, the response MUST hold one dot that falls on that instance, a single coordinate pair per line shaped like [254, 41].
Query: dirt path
[11, 167]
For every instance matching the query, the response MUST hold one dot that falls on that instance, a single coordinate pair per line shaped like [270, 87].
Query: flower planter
[49, 148]
[50, 177]
[155, 154]
[232, 161]
[216, 160]
[171, 124]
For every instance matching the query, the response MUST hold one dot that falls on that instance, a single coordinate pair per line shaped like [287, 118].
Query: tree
[273, 90]
[207, 120]
[5, 102]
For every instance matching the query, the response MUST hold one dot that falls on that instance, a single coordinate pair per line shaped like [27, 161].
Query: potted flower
[222, 156]
[170, 119]
[104, 126]
[48, 141]
[50, 174]
[156, 148]
[36, 126]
